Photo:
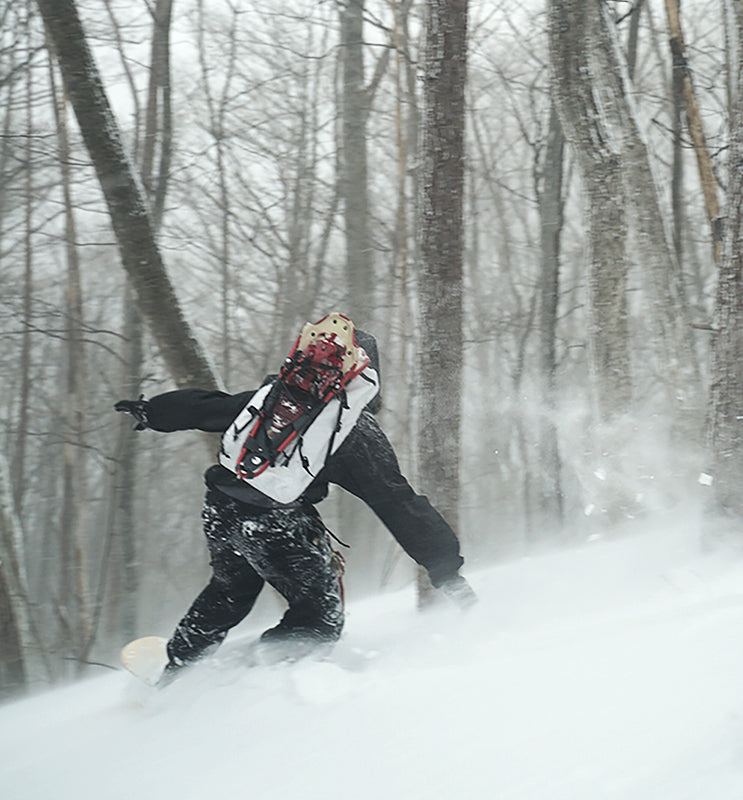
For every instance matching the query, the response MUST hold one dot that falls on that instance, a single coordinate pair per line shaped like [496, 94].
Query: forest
[534, 205]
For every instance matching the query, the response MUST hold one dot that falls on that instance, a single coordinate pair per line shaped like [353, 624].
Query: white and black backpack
[324, 400]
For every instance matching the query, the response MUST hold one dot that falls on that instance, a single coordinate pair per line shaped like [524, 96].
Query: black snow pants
[287, 548]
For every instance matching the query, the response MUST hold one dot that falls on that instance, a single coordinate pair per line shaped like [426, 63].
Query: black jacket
[365, 465]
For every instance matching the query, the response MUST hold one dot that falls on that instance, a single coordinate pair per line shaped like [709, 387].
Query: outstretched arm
[366, 466]
[186, 409]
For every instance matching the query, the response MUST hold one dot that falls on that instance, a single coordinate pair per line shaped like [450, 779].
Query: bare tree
[442, 247]
[573, 31]
[154, 161]
[23, 655]
[684, 85]
[664, 280]
[74, 597]
[356, 103]
[354, 157]
[13, 599]
[19, 455]
[14, 627]
[158, 132]
[599, 116]
[550, 200]
[726, 397]
[125, 199]
[217, 101]
[632, 39]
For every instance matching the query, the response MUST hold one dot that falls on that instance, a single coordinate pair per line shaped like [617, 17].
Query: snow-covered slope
[610, 671]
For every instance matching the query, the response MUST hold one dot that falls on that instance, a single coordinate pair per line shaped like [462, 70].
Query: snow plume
[607, 671]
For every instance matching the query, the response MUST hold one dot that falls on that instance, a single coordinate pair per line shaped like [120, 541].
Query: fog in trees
[277, 165]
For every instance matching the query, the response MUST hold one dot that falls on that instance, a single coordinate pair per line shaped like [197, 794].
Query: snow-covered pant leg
[225, 601]
[285, 547]
[288, 547]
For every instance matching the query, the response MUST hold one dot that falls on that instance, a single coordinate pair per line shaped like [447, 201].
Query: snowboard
[146, 658]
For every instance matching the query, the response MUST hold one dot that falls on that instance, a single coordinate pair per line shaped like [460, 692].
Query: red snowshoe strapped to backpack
[325, 357]
[308, 410]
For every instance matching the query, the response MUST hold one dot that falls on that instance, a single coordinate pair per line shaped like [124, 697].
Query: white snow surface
[611, 670]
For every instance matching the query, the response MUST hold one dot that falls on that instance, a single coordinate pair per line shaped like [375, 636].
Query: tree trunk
[573, 29]
[398, 343]
[73, 596]
[158, 124]
[694, 122]
[632, 39]
[354, 183]
[677, 165]
[551, 220]
[21, 647]
[157, 140]
[13, 671]
[124, 479]
[19, 455]
[442, 246]
[655, 249]
[356, 102]
[126, 202]
[217, 106]
[726, 397]
[599, 117]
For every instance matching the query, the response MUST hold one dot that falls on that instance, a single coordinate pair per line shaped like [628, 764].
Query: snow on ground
[610, 671]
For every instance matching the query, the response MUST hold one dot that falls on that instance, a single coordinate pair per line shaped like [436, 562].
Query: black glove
[138, 409]
[459, 591]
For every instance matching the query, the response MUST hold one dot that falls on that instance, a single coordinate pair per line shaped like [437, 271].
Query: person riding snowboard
[282, 445]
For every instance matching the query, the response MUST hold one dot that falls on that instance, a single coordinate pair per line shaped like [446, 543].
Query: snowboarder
[282, 445]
